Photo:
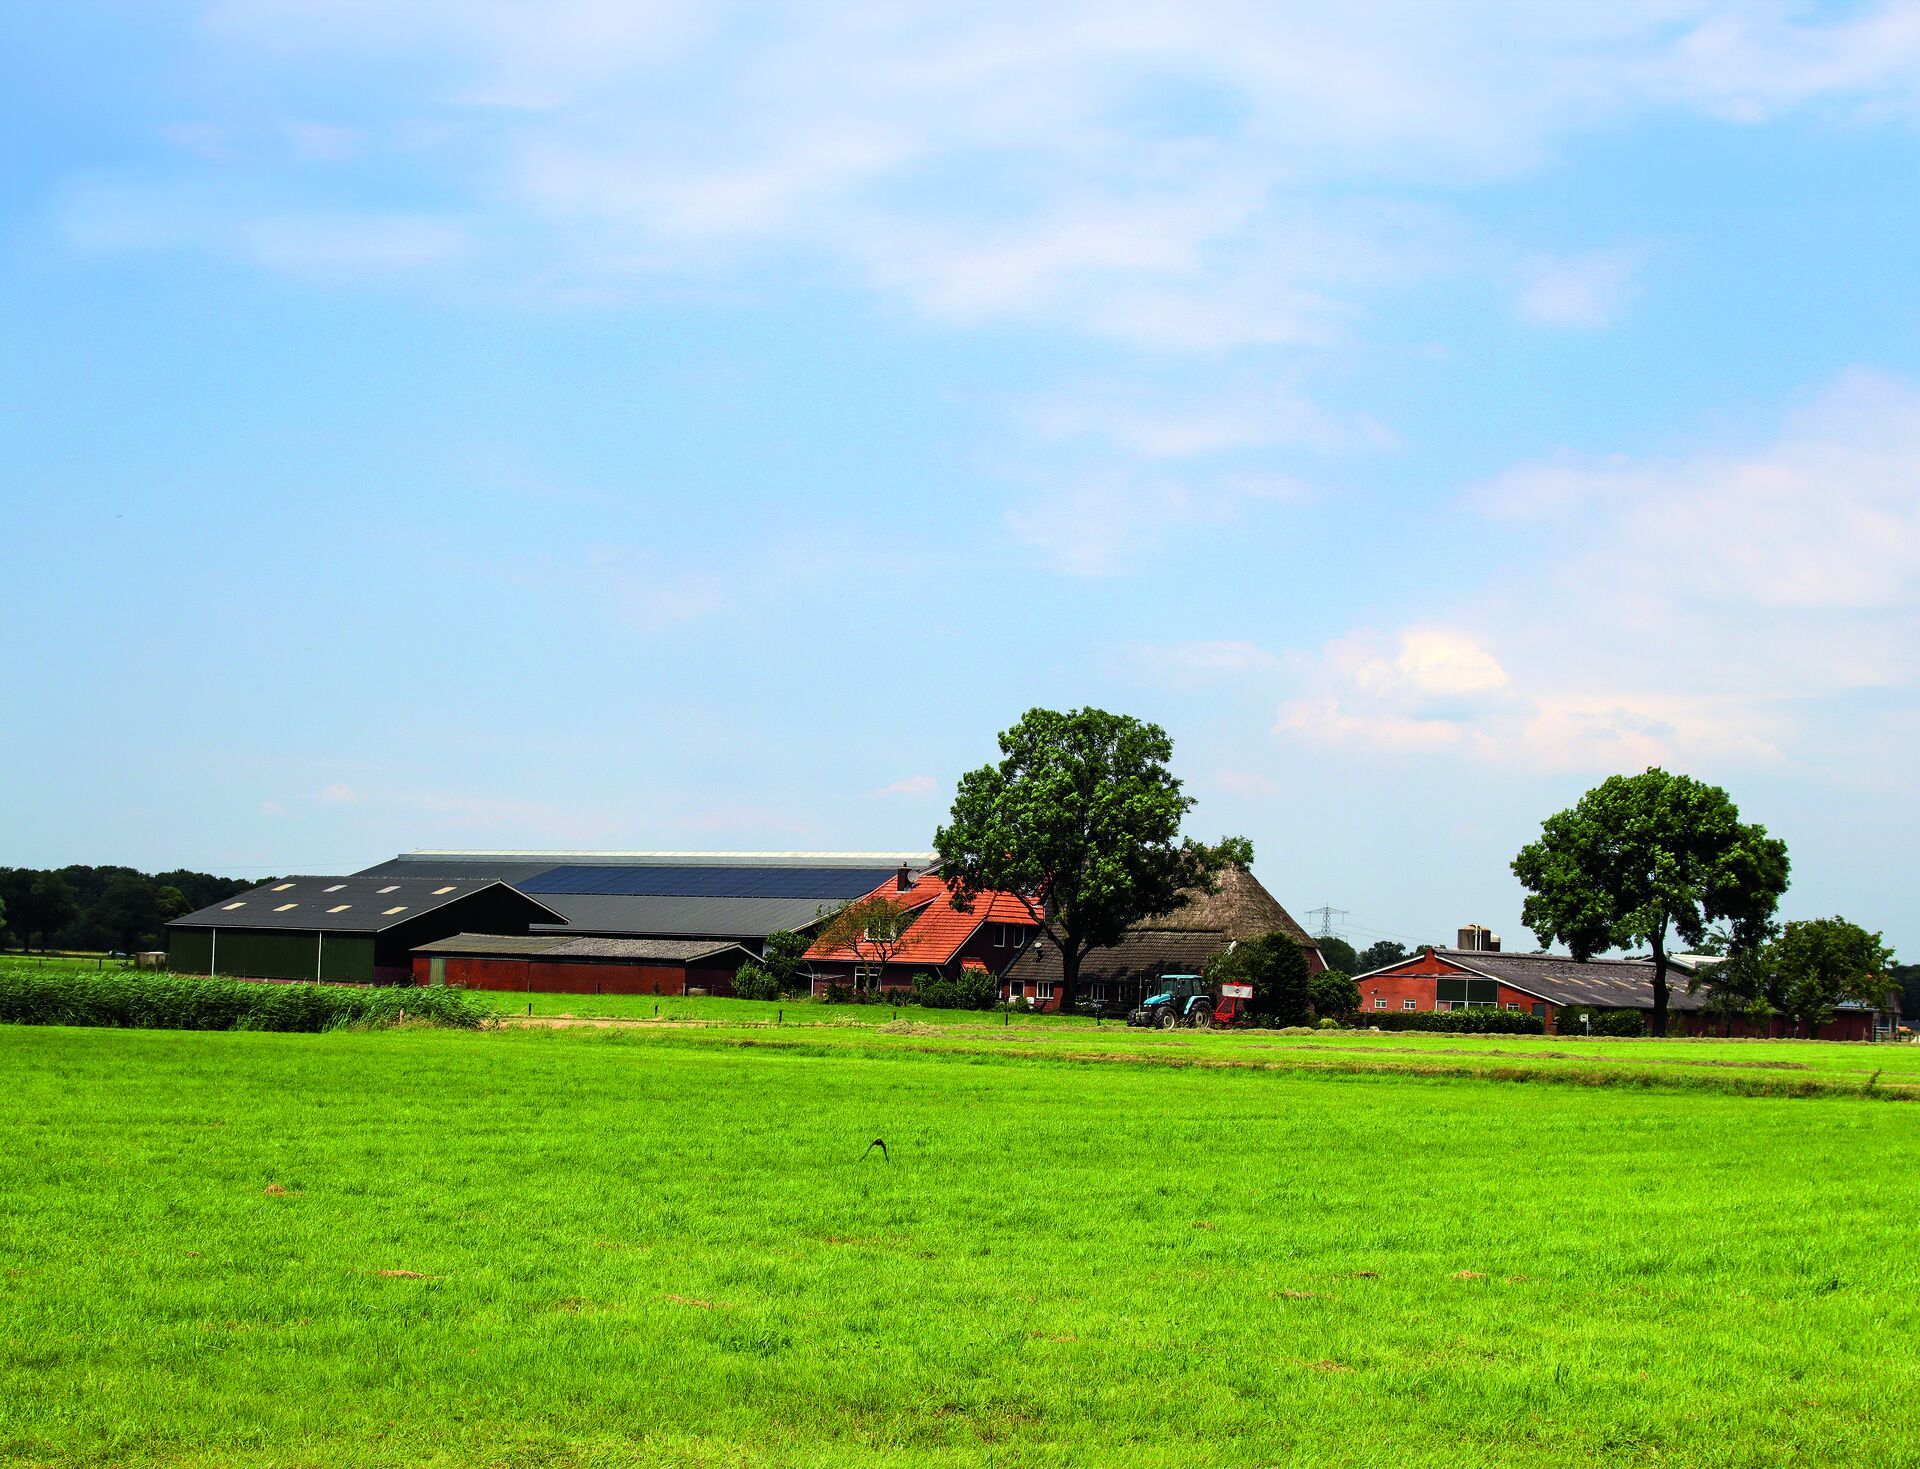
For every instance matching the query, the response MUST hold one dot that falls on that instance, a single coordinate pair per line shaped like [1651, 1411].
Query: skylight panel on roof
[392, 887]
[438, 892]
[281, 887]
[229, 907]
[398, 908]
[340, 908]
[284, 906]
[334, 889]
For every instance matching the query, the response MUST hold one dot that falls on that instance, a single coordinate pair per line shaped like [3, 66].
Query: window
[1379, 1002]
[865, 976]
[1097, 992]
[284, 906]
[340, 908]
[1513, 1007]
[281, 887]
[1409, 1004]
[999, 935]
[397, 908]
[1540, 1008]
[1015, 989]
[229, 907]
[1016, 935]
[1043, 989]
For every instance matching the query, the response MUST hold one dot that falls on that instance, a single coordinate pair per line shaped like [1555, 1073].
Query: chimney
[903, 880]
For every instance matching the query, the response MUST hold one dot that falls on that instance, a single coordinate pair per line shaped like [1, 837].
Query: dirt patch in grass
[407, 1275]
[692, 1301]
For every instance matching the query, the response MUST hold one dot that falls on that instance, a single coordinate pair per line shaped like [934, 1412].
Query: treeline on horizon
[94, 908]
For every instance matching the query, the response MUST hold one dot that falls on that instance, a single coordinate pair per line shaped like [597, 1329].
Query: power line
[1326, 913]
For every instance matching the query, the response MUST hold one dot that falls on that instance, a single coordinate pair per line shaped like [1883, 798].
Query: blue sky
[681, 425]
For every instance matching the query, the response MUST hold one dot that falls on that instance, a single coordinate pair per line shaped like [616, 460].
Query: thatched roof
[1183, 940]
[1240, 908]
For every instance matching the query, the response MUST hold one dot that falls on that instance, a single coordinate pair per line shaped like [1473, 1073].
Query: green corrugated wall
[272, 954]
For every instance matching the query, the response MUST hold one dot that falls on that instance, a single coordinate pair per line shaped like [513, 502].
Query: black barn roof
[350, 904]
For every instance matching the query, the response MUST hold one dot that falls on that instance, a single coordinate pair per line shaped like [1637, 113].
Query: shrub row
[973, 989]
[31, 995]
[1456, 1022]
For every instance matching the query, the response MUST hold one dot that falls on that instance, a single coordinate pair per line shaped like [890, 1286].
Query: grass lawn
[665, 1245]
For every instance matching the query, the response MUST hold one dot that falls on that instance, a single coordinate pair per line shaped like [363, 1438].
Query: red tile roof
[939, 929]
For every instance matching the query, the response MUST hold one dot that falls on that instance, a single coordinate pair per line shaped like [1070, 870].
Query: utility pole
[1326, 913]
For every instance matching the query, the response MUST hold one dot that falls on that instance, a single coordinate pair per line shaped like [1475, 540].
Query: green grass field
[665, 1244]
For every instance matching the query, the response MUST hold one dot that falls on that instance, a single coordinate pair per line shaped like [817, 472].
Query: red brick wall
[563, 977]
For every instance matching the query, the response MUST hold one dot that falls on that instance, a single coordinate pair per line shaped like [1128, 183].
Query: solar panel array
[824, 883]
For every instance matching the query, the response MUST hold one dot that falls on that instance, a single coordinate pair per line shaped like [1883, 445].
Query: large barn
[350, 929]
[1545, 985]
[733, 897]
[555, 963]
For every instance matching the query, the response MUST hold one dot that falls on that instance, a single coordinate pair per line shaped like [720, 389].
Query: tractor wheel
[1201, 1018]
[1168, 1019]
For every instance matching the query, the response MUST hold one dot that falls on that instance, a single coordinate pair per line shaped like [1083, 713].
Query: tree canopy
[1816, 963]
[1339, 954]
[1378, 955]
[1276, 969]
[1080, 818]
[872, 929]
[1644, 856]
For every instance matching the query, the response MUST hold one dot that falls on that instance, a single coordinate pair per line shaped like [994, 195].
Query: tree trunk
[1069, 977]
[1660, 981]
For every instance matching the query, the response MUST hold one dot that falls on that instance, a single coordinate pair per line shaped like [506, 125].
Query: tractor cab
[1177, 1000]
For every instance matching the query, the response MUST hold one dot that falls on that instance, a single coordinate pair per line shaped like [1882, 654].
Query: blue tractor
[1181, 1000]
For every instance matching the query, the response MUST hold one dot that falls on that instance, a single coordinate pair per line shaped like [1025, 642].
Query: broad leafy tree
[1339, 954]
[1644, 858]
[1816, 963]
[1081, 820]
[1379, 955]
[1275, 967]
[1333, 993]
[871, 929]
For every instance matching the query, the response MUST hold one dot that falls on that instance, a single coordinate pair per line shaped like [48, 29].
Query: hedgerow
[1455, 1022]
[143, 1000]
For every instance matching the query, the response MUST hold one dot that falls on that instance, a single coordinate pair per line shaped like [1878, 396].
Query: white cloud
[1709, 606]
[272, 808]
[1188, 423]
[1430, 689]
[1133, 171]
[1589, 290]
[349, 243]
[341, 794]
[912, 785]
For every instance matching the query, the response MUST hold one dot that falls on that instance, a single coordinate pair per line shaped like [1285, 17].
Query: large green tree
[1644, 857]
[1816, 963]
[1081, 820]
[1339, 954]
[1275, 967]
[1378, 955]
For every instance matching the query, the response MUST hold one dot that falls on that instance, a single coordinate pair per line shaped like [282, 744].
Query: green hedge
[1455, 1022]
[144, 1000]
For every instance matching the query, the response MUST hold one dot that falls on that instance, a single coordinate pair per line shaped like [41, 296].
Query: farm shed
[351, 929]
[554, 963]
[738, 897]
[942, 940]
[1180, 942]
[1545, 984]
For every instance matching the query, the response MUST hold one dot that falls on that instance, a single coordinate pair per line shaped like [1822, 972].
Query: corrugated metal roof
[669, 859]
[345, 904]
[727, 918]
[560, 946]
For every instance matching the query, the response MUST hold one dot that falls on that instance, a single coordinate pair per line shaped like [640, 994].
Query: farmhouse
[558, 963]
[1180, 942]
[941, 941]
[730, 897]
[352, 929]
[1544, 985]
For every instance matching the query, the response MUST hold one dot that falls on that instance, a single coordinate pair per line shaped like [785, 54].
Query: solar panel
[708, 882]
